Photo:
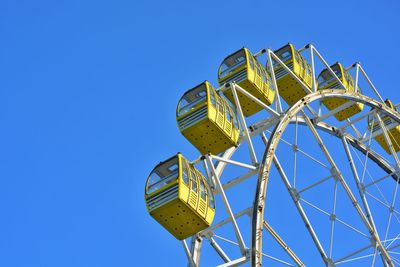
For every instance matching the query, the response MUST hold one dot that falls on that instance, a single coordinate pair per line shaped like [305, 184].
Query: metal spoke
[379, 180]
[277, 260]
[303, 152]
[377, 199]
[295, 198]
[354, 259]
[371, 178]
[339, 220]
[374, 256]
[394, 154]
[359, 185]
[397, 261]
[392, 240]
[315, 184]
[393, 247]
[348, 191]
[388, 223]
[346, 258]
[333, 219]
[283, 245]
[295, 146]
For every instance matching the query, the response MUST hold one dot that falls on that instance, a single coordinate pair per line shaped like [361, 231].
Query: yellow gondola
[244, 69]
[207, 120]
[289, 89]
[327, 81]
[179, 198]
[392, 127]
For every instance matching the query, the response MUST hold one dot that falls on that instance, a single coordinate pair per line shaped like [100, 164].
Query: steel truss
[360, 155]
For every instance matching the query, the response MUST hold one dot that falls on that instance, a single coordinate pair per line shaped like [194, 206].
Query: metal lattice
[332, 190]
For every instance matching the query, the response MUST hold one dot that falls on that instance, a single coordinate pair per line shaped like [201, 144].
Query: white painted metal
[371, 229]
[219, 250]
[256, 100]
[283, 245]
[314, 83]
[333, 111]
[188, 254]
[236, 163]
[268, 159]
[244, 125]
[227, 206]
[276, 125]
[370, 83]
[277, 95]
[236, 262]
[195, 247]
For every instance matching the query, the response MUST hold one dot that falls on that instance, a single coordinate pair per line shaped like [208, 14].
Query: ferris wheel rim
[274, 140]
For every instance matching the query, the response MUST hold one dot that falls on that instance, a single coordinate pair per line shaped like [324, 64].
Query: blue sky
[88, 91]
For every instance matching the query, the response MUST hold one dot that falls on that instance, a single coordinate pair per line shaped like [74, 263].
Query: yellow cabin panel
[249, 107]
[393, 132]
[296, 68]
[210, 215]
[183, 192]
[202, 208]
[290, 90]
[394, 135]
[179, 204]
[228, 128]
[327, 81]
[207, 126]
[208, 138]
[251, 75]
[332, 103]
[179, 219]
[193, 200]
[241, 67]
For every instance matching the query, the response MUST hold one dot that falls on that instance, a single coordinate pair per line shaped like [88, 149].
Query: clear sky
[88, 91]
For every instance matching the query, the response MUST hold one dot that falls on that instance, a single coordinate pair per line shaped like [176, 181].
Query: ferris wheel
[295, 169]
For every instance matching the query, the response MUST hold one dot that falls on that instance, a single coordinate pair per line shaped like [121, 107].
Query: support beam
[219, 250]
[283, 245]
[188, 254]
[236, 262]
[195, 248]
[348, 191]
[227, 207]
[295, 198]
[244, 125]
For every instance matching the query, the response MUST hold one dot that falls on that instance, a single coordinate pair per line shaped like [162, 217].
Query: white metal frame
[276, 124]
